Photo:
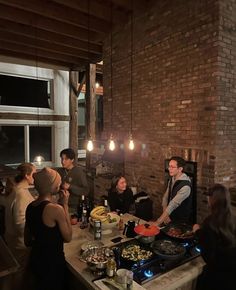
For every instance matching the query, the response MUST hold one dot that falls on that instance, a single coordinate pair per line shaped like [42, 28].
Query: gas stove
[156, 266]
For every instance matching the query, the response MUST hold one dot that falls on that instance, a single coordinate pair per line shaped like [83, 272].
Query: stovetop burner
[156, 266]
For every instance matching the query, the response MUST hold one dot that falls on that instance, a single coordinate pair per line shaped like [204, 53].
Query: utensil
[168, 249]
[178, 231]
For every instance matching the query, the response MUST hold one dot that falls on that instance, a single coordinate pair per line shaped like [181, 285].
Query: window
[22, 143]
[24, 92]
[12, 148]
[40, 142]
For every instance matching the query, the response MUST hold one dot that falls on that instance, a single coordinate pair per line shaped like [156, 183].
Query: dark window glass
[12, 144]
[24, 92]
[40, 142]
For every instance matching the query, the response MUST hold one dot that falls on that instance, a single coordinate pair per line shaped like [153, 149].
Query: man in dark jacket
[177, 200]
[73, 178]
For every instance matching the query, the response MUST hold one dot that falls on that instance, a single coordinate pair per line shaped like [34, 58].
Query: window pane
[12, 144]
[24, 92]
[40, 142]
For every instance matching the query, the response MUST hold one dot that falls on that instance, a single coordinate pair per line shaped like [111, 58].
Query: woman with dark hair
[217, 239]
[120, 197]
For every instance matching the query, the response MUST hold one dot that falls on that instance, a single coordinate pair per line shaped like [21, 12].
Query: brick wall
[183, 102]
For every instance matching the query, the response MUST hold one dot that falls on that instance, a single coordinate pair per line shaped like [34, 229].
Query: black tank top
[45, 239]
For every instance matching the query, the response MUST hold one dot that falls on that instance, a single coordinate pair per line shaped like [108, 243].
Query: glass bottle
[111, 267]
[106, 205]
[81, 207]
[121, 223]
[84, 220]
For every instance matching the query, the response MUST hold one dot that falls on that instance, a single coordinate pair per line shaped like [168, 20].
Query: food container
[146, 233]
[96, 257]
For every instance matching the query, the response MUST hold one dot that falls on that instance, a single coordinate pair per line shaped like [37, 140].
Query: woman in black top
[47, 228]
[217, 239]
[120, 197]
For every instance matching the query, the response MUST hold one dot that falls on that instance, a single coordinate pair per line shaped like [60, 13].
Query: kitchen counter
[181, 278]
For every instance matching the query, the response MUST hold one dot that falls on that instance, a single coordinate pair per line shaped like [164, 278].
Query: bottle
[111, 267]
[106, 205]
[81, 207]
[84, 221]
[121, 223]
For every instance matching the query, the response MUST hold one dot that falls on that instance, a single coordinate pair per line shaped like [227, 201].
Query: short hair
[69, 152]
[180, 161]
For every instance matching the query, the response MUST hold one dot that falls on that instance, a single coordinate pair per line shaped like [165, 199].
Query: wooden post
[73, 139]
[90, 98]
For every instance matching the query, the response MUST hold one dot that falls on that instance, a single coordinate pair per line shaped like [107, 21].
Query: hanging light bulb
[90, 145]
[112, 145]
[39, 159]
[131, 143]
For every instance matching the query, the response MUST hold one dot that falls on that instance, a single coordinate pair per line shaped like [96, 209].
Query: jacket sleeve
[181, 195]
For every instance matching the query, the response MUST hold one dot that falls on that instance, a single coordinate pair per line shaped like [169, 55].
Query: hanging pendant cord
[111, 64]
[89, 133]
[131, 72]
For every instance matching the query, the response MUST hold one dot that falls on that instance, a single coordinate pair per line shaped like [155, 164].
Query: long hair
[23, 170]
[221, 220]
[115, 181]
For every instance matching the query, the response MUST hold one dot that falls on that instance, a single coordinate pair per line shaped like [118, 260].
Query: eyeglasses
[172, 167]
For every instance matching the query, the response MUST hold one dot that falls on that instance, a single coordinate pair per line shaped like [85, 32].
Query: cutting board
[102, 286]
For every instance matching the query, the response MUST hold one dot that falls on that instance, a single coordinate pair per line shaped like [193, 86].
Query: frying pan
[168, 249]
[184, 228]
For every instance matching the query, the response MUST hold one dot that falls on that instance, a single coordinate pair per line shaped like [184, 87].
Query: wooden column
[90, 98]
[73, 141]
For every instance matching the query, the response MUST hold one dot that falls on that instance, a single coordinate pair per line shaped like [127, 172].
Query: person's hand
[64, 197]
[65, 185]
[167, 220]
[196, 227]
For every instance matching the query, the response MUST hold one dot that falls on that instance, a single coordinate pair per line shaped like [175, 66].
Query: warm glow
[112, 145]
[90, 145]
[131, 144]
[39, 159]
[97, 85]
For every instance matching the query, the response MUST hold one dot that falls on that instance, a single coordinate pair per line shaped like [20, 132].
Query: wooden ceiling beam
[60, 13]
[48, 61]
[97, 8]
[47, 46]
[39, 53]
[38, 21]
[53, 38]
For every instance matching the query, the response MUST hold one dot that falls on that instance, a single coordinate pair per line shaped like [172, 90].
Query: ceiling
[67, 33]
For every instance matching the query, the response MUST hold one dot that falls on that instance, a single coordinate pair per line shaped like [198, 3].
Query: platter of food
[135, 253]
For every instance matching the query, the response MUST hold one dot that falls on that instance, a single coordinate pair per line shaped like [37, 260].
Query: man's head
[67, 158]
[176, 166]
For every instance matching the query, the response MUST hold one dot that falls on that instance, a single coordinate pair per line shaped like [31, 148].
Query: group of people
[44, 226]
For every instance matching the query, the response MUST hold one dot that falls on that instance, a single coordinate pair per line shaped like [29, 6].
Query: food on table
[99, 213]
[135, 253]
[97, 258]
[167, 247]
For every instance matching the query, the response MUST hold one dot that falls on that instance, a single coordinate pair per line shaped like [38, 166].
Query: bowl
[106, 226]
[96, 257]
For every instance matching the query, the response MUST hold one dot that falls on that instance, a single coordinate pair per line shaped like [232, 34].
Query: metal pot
[145, 239]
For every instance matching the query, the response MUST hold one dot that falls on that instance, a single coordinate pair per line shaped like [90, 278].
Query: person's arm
[181, 195]
[79, 184]
[62, 217]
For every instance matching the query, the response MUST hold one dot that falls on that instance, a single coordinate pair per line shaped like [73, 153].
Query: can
[97, 229]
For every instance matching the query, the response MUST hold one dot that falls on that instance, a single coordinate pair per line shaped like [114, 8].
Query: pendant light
[131, 141]
[112, 144]
[38, 159]
[90, 146]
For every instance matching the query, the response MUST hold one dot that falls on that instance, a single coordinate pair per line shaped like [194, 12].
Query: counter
[181, 278]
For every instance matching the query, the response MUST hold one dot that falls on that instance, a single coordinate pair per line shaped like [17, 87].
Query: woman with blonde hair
[17, 199]
[217, 240]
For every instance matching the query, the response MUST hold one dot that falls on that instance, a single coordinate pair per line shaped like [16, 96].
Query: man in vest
[177, 200]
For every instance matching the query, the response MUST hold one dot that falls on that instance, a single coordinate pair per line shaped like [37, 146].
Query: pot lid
[147, 230]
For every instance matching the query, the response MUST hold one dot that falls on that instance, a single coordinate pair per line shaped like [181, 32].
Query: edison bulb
[112, 145]
[39, 159]
[90, 145]
[131, 144]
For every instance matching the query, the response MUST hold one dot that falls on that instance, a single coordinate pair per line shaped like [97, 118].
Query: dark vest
[183, 213]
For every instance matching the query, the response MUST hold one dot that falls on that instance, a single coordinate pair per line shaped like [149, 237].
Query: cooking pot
[146, 233]
[178, 231]
[168, 249]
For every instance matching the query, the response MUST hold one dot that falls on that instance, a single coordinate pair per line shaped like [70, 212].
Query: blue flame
[148, 273]
[185, 244]
[198, 249]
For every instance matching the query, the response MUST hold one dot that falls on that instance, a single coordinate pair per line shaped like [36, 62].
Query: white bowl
[107, 227]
